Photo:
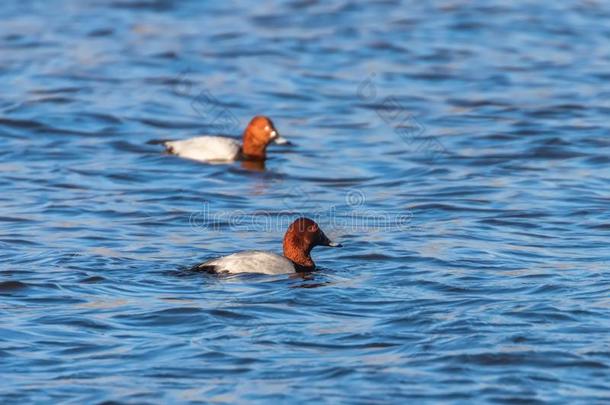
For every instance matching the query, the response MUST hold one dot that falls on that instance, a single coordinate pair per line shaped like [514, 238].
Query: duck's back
[249, 262]
[206, 148]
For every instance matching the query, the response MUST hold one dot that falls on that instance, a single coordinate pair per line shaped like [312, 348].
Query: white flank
[206, 148]
[252, 262]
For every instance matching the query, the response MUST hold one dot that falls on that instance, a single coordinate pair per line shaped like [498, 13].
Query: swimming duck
[259, 133]
[300, 238]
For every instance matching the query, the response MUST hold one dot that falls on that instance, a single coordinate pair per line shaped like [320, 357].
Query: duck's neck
[301, 259]
[253, 148]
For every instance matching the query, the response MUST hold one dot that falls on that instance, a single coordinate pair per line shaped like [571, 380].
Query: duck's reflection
[308, 276]
[253, 165]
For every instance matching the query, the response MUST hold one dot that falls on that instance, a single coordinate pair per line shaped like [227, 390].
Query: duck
[300, 238]
[259, 133]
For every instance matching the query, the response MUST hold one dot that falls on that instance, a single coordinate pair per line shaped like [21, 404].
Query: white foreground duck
[301, 237]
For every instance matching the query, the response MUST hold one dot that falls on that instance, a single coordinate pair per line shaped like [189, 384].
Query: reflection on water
[482, 126]
[253, 165]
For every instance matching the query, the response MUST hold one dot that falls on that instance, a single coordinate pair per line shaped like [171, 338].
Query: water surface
[458, 150]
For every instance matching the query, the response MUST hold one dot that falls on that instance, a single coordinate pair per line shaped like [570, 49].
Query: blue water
[459, 150]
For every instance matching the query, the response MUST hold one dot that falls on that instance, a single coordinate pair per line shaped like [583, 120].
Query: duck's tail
[205, 268]
[158, 141]
[163, 142]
